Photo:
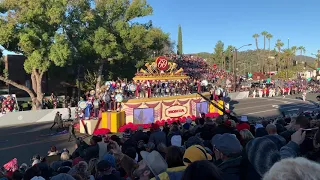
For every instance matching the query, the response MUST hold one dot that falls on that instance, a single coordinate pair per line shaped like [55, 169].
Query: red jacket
[243, 126]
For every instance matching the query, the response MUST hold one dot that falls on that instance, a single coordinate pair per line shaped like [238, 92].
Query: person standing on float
[137, 89]
[87, 110]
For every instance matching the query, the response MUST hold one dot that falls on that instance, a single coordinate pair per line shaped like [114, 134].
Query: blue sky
[204, 22]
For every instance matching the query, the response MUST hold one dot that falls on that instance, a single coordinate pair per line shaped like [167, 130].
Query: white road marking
[250, 107]
[314, 107]
[275, 106]
[250, 102]
[293, 99]
[293, 110]
[283, 101]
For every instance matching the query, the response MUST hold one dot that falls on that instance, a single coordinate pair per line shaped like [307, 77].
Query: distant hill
[250, 53]
[305, 58]
[248, 60]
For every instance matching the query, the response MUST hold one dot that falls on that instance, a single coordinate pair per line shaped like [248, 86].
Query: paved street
[23, 142]
[271, 107]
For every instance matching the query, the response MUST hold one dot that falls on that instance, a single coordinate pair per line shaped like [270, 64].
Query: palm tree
[279, 45]
[294, 51]
[256, 36]
[287, 55]
[269, 37]
[302, 50]
[264, 34]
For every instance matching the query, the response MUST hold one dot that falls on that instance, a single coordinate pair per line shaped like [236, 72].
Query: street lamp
[234, 64]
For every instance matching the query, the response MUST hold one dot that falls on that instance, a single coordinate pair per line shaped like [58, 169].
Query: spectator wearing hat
[195, 153]
[175, 163]
[151, 165]
[227, 150]
[263, 152]
[243, 124]
[106, 171]
[260, 130]
[157, 136]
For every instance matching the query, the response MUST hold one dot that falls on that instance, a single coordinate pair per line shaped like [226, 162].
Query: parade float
[146, 110]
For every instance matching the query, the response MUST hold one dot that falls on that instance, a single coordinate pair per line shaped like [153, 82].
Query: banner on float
[151, 111]
[176, 111]
[202, 107]
[143, 115]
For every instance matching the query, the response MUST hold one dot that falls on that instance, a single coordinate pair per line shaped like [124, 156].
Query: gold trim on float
[162, 78]
[165, 98]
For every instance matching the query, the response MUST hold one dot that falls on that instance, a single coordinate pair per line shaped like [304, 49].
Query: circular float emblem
[119, 98]
[132, 87]
[82, 104]
[162, 63]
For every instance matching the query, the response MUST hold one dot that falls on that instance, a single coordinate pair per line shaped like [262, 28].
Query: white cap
[244, 119]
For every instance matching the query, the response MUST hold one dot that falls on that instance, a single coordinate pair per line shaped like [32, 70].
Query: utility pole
[234, 65]
[234, 70]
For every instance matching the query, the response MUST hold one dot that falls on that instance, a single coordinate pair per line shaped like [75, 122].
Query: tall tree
[111, 37]
[264, 34]
[256, 36]
[288, 55]
[218, 53]
[179, 46]
[294, 52]
[279, 45]
[228, 56]
[302, 50]
[32, 28]
[269, 37]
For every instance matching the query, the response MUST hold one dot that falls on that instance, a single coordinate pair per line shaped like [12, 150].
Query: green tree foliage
[269, 37]
[179, 46]
[91, 33]
[229, 57]
[105, 32]
[32, 27]
[218, 54]
[264, 34]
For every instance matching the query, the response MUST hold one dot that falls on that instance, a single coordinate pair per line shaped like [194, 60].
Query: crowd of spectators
[222, 149]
